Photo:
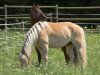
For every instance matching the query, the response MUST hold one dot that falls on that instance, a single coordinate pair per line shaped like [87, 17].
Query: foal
[36, 14]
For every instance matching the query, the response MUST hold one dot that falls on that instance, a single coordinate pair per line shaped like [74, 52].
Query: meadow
[9, 64]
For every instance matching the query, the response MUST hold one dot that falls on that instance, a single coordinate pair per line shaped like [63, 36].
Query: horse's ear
[36, 4]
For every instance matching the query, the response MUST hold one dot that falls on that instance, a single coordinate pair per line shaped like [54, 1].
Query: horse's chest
[58, 41]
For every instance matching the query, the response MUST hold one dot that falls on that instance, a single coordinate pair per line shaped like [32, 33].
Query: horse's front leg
[44, 53]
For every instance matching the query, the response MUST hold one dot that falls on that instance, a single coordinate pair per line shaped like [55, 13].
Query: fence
[79, 20]
[57, 9]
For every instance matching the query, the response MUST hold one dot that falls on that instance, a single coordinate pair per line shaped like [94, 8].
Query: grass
[9, 64]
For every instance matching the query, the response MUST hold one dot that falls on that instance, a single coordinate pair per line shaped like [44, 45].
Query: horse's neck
[32, 37]
[28, 42]
[33, 21]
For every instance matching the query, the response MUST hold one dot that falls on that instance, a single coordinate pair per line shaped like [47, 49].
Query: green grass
[9, 64]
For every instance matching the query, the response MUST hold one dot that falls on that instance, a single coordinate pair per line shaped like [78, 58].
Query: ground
[9, 64]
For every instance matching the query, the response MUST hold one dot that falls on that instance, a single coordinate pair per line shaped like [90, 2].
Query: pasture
[9, 64]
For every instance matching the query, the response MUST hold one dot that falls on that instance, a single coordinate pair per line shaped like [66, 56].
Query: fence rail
[9, 6]
[95, 7]
[97, 19]
[23, 17]
[23, 28]
[1, 8]
[79, 19]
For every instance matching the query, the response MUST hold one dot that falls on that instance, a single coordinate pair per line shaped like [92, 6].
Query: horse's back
[65, 27]
[63, 32]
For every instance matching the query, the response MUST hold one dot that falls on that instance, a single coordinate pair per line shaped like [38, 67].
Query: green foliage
[9, 64]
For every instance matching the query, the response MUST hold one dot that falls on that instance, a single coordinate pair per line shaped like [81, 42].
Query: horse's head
[23, 59]
[36, 14]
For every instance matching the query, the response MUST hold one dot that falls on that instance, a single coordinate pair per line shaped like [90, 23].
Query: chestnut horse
[65, 35]
[36, 14]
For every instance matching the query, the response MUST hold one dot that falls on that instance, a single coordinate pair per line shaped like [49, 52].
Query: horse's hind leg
[65, 54]
[80, 46]
[71, 52]
[39, 55]
[76, 56]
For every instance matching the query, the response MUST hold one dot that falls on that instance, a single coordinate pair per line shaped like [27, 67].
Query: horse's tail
[84, 46]
[79, 43]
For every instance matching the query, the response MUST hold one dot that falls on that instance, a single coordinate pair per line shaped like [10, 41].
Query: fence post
[56, 12]
[23, 23]
[51, 17]
[5, 8]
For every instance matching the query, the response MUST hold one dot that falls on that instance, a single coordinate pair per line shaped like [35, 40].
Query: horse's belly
[56, 42]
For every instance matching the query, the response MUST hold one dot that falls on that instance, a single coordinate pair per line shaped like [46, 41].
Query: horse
[68, 36]
[35, 10]
[34, 19]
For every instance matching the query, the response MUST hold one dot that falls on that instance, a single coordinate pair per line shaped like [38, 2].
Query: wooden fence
[56, 17]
